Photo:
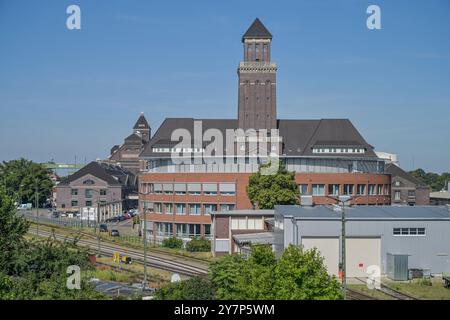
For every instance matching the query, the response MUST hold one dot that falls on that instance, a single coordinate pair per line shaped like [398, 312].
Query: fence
[62, 222]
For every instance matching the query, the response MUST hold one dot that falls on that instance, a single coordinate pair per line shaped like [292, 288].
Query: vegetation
[195, 288]
[435, 181]
[36, 269]
[20, 178]
[198, 245]
[266, 191]
[173, 243]
[298, 274]
[430, 289]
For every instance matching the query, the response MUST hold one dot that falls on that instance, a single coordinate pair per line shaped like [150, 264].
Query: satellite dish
[175, 278]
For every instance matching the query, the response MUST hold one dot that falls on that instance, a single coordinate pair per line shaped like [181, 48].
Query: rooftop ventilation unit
[306, 201]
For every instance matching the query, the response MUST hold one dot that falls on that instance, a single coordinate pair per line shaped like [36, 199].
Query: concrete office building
[372, 232]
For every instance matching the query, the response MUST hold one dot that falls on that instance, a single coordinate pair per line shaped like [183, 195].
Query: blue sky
[67, 93]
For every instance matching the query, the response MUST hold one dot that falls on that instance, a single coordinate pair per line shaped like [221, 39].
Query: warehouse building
[373, 235]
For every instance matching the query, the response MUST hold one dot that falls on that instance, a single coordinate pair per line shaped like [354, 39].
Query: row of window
[185, 150]
[88, 193]
[190, 208]
[338, 150]
[409, 232]
[182, 229]
[345, 189]
[247, 224]
[224, 189]
[87, 203]
[398, 194]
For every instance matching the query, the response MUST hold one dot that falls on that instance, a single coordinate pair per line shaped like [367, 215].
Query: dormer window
[88, 182]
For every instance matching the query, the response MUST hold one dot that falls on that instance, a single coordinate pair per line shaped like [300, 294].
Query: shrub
[198, 245]
[173, 243]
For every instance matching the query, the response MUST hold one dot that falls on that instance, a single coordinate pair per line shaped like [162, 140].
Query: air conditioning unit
[306, 200]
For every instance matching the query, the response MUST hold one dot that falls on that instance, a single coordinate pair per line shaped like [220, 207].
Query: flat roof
[255, 238]
[440, 195]
[248, 212]
[365, 212]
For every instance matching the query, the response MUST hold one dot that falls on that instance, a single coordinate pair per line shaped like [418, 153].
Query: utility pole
[36, 200]
[145, 252]
[343, 260]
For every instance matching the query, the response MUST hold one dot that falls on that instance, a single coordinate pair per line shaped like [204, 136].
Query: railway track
[137, 256]
[355, 295]
[397, 295]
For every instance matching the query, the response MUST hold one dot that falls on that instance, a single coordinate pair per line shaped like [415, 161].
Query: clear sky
[67, 93]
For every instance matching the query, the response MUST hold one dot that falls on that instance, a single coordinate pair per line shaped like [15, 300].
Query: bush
[173, 243]
[425, 282]
[198, 245]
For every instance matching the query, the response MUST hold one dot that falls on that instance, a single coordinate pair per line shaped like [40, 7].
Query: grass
[376, 294]
[106, 274]
[414, 288]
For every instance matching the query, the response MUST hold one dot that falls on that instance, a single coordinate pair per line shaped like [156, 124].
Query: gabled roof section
[396, 171]
[337, 132]
[257, 31]
[133, 138]
[110, 173]
[141, 123]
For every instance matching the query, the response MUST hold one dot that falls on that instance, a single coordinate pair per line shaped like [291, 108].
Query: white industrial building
[422, 233]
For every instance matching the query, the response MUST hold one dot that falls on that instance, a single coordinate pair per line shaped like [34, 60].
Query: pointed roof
[141, 123]
[257, 30]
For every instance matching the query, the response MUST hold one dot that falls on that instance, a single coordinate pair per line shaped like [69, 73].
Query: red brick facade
[380, 184]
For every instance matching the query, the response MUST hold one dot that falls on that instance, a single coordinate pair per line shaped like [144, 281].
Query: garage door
[360, 254]
[329, 250]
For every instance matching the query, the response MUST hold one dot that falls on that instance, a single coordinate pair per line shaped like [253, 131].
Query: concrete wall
[431, 252]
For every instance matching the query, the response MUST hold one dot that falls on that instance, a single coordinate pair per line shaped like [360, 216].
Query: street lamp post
[342, 200]
[36, 204]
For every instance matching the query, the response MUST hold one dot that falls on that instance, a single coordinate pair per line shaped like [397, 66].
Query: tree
[300, 274]
[36, 269]
[297, 274]
[12, 230]
[195, 288]
[435, 181]
[19, 179]
[266, 191]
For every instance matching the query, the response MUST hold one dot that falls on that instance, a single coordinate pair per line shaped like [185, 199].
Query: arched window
[88, 182]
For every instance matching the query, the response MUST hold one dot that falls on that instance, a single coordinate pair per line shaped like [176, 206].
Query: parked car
[55, 214]
[121, 218]
[127, 216]
[103, 228]
[115, 233]
[63, 214]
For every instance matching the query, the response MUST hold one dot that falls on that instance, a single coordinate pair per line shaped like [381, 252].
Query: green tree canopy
[195, 288]
[266, 191]
[437, 182]
[19, 179]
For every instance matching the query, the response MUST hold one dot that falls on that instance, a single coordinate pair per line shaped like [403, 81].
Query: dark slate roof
[396, 171]
[110, 173]
[133, 138]
[365, 212]
[257, 30]
[141, 123]
[299, 136]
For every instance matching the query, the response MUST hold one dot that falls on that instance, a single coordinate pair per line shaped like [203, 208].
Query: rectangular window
[157, 188]
[361, 189]
[348, 189]
[303, 188]
[194, 230]
[74, 192]
[180, 188]
[88, 193]
[255, 224]
[333, 189]
[318, 189]
[157, 207]
[88, 203]
[181, 208]
[194, 188]
[103, 192]
[207, 229]
[168, 208]
[181, 229]
[168, 188]
[195, 209]
[408, 231]
[210, 208]
[397, 195]
[372, 190]
[411, 193]
[239, 224]
[227, 189]
[226, 207]
[210, 189]
[74, 203]
[380, 190]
